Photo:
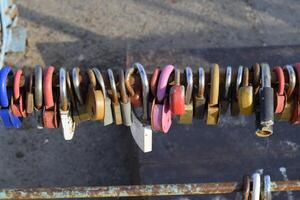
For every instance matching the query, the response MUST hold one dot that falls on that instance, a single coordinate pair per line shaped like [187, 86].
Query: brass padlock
[234, 98]
[115, 100]
[83, 112]
[187, 117]
[125, 101]
[213, 112]
[199, 97]
[108, 118]
[290, 86]
[226, 92]
[245, 95]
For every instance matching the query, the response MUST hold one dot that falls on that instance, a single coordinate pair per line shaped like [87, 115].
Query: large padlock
[266, 101]
[161, 116]
[245, 95]
[234, 108]
[115, 100]
[287, 112]
[199, 97]
[177, 96]
[125, 101]
[50, 118]
[280, 96]
[295, 119]
[38, 96]
[187, 116]
[226, 91]
[108, 118]
[213, 112]
[67, 123]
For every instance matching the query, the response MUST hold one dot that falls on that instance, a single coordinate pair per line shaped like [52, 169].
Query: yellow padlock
[245, 95]
[213, 104]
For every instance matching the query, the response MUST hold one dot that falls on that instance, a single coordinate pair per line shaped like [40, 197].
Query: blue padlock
[8, 119]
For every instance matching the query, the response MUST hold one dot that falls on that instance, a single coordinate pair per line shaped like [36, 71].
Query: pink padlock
[161, 117]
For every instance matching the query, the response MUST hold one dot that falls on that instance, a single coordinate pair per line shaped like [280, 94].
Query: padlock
[125, 101]
[234, 107]
[115, 100]
[29, 107]
[266, 193]
[213, 104]
[187, 116]
[154, 82]
[17, 99]
[95, 99]
[108, 118]
[83, 111]
[226, 92]
[256, 80]
[38, 96]
[7, 117]
[135, 96]
[266, 100]
[245, 95]
[50, 118]
[199, 97]
[73, 108]
[67, 123]
[287, 112]
[246, 187]
[177, 96]
[161, 116]
[280, 96]
[295, 119]
[256, 186]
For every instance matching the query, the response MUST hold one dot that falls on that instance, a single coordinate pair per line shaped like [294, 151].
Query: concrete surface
[99, 33]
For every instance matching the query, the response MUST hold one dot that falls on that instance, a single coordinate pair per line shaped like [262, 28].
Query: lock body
[199, 107]
[126, 113]
[187, 117]
[177, 100]
[266, 100]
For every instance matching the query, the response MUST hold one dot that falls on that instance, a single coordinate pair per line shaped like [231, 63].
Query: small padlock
[199, 97]
[245, 95]
[213, 112]
[234, 108]
[135, 97]
[154, 82]
[29, 95]
[38, 96]
[266, 98]
[177, 96]
[108, 118]
[187, 116]
[125, 101]
[67, 123]
[287, 112]
[115, 100]
[280, 96]
[226, 92]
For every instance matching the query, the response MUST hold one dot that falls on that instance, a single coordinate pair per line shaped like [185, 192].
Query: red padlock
[280, 96]
[296, 113]
[177, 96]
[16, 102]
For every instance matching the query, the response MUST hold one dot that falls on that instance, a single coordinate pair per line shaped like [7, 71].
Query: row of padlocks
[147, 102]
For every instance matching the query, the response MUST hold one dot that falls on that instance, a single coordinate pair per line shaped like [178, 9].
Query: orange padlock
[177, 96]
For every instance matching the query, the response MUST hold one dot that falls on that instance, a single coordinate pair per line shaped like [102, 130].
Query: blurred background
[102, 34]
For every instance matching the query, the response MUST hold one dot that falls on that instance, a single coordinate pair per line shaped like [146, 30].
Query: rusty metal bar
[139, 190]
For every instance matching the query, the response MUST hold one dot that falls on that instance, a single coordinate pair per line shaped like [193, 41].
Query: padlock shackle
[100, 80]
[281, 80]
[76, 83]
[177, 76]
[214, 87]
[292, 79]
[122, 87]
[228, 79]
[4, 73]
[48, 93]
[163, 82]
[154, 81]
[246, 77]
[17, 80]
[128, 74]
[92, 78]
[113, 86]
[38, 86]
[189, 84]
[239, 79]
[201, 82]
[63, 89]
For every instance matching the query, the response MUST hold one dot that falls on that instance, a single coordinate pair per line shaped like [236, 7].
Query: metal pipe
[138, 190]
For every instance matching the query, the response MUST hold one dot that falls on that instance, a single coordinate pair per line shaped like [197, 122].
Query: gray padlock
[125, 101]
[199, 98]
[108, 118]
